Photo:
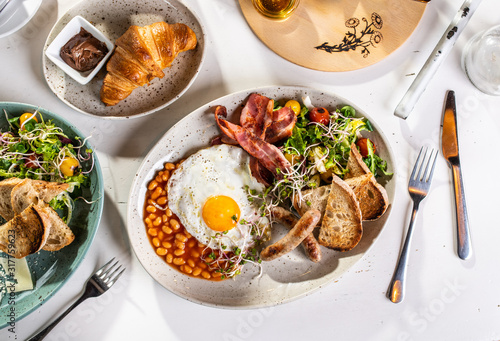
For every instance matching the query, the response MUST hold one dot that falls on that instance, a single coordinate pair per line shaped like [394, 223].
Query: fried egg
[209, 195]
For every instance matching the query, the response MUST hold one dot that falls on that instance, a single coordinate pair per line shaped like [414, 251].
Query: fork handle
[43, 333]
[464, 248]
[397, 286]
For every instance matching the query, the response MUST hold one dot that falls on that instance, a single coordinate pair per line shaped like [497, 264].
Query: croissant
[141, 54]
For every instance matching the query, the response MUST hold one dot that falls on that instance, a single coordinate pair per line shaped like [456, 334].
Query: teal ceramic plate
[50, 270]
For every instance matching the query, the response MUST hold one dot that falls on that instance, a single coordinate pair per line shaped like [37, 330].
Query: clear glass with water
[481, 61]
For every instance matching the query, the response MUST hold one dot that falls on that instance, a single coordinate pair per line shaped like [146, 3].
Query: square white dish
[70, 30]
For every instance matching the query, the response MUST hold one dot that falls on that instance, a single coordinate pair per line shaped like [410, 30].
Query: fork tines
[428, 170]
[109, 274]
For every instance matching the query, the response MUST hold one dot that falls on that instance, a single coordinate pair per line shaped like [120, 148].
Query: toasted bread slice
[312, 198]
[341, 228]
[26, 233]
[355, 164]
[34, 192]
[6, 187]
[372, 196]
[60, 234]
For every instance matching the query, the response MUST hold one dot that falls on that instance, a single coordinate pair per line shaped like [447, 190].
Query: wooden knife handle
[464, 247]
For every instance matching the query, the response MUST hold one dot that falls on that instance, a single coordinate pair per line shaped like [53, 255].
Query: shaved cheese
[19, 268]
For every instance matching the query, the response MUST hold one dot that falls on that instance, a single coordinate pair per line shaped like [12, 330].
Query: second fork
[96, 285]
[418, 187]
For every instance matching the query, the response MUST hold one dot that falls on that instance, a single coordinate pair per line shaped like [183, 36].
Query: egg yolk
[221, 213]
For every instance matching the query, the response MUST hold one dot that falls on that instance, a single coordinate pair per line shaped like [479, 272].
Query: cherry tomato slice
[32, 162]
[363, 146]
[319, 115]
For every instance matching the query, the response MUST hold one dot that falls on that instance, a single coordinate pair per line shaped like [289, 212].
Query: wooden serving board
[337, 35]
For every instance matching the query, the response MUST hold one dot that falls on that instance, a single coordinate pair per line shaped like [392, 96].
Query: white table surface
[447, 298]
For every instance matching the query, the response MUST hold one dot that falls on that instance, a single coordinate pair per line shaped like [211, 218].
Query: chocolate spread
[83, 52]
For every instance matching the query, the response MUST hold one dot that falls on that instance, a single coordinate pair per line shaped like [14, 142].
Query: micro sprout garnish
[316, 149]
[63, 202]
[229, 261]
[90, 202]
[36, 150]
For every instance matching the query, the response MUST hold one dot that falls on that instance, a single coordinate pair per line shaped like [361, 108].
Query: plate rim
[147, 164]
[100, 187]
[45, 59]
[24, 22]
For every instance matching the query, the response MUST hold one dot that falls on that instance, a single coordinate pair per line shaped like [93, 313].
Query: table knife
[449, 144]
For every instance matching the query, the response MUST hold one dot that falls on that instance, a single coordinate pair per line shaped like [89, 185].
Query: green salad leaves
[328, 145]
[38, 149]
[374, 162]
[320, 148]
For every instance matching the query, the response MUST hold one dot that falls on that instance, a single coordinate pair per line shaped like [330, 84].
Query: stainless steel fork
[418, 187]
[99, 283]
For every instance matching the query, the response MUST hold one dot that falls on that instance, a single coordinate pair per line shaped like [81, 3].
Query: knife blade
[449, 145]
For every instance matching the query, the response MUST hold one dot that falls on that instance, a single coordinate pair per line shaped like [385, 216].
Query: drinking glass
[481, 60]
[276, 9]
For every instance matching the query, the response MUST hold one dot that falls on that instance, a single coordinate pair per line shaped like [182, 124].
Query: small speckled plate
[113, 18]
[287, 278]
[50, 270]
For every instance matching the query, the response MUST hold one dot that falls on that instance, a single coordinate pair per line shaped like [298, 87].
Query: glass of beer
[276, 9]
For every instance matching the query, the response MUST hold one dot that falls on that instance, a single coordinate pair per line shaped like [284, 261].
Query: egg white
[217, 170]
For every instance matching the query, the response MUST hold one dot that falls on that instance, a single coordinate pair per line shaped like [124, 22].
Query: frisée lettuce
[38, 149]
[319, 149]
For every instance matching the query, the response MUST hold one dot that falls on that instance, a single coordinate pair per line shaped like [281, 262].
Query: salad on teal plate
[38, 144]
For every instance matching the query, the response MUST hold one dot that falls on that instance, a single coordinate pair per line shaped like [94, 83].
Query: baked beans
[167, 235]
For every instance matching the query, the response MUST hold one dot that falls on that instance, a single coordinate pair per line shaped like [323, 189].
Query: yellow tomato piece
[292, 158]
[294, 105]
[68, 166]
[26, 117]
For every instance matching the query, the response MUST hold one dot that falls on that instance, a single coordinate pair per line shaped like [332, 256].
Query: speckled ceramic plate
[284, 279]
[113, 18]
[50, 270]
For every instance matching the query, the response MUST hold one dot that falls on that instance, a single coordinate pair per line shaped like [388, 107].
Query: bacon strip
[269, 155]
[257, 116]
[283, 121]
[259, 172]
[221, 111]
[261, 126]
